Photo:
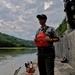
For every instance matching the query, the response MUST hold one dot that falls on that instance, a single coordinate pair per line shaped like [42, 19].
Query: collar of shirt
[42, 28]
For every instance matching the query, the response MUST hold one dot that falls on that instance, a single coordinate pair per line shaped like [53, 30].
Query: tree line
[62, 27]
[11, 41]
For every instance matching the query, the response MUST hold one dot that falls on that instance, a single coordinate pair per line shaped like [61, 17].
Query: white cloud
[1, 25]
[31, 1]
[61, 0]
[6, 4]
[47, 4]
[9, 5]
[18, 17]
[1, 21]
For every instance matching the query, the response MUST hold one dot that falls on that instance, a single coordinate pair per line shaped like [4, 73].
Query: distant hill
[62, 28]
[11, 41]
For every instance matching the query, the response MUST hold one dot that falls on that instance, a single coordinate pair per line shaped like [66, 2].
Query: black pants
[46, 61]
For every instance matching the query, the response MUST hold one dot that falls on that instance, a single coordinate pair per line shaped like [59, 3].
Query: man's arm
[54, 37]
[47, 38]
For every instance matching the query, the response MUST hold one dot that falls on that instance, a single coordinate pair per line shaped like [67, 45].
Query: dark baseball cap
[42, 16]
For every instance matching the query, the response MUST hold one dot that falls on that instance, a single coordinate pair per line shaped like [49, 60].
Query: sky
[18, 17]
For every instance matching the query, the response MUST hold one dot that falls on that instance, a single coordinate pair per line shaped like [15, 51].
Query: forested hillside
[62, 28]
[11, 41]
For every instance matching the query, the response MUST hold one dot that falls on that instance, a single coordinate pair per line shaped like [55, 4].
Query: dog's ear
[25, 64]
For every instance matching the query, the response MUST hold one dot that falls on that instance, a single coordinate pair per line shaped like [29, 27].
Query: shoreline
[18, 48]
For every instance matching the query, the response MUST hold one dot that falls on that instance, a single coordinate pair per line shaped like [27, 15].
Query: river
[11, 63]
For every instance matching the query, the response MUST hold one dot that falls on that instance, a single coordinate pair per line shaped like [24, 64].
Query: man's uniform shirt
[49, 31]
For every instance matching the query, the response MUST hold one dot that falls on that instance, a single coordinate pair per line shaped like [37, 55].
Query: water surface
[14, 59]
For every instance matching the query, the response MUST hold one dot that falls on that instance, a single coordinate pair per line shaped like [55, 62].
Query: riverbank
[60, 68]
[17, 48]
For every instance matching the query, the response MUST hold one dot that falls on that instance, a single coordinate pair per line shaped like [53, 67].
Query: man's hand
[47, 38]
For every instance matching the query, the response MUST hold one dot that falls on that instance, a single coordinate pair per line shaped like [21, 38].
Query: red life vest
[40, 40]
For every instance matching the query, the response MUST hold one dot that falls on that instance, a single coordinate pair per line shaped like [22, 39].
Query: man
[46, 52]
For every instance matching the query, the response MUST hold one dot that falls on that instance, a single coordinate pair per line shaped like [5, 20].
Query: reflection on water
[10, 64]
[5, 52]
